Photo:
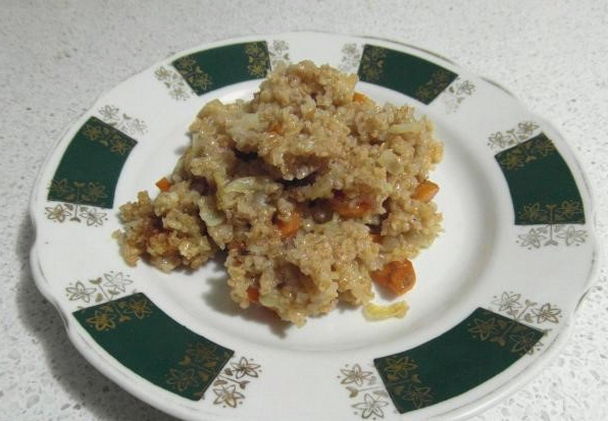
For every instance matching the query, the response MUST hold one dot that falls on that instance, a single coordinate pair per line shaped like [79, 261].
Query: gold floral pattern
[103, 320]
[57, 213]
[504, 332]
[257, 59]
[199, 354]
[372, 63]
[520, 309]
[419, 396]
[279, 52]
[476, 349]
[233, 380]
[552, 213]
[523, 131]
[146, 340]
[78, 291]
[140, 308]
[547, 313]
[531, 312]
[63, 188]
[89, 216]
[78, 193]
[552, 232]
[82, 192]
[105, 289]
[484, 329]
[371, 406]
[355, 375]
[200, 366]
[456, 93]
[351, 57]
[228, 396]
[403, 382]
[521, 146]
[178, 89]
[118, 311]
[245, 368]
[193, 73]
[371, 399]
[399, 367]
[112, 115]
[115, 141]
[181, 379]
[440, 79]
[517, 157]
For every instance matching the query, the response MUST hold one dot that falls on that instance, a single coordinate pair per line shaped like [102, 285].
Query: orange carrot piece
[276, 128]
[397, 277]
[163, 184]
[425, 191]
[253, 294]
[240, 245]
[290, 227]
[359, 98]
[349, 208]
[376, 238]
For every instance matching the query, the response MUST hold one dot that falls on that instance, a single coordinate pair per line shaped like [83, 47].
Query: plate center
[448, 272]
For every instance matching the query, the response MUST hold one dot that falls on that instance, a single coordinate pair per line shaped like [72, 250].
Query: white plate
[496, 291]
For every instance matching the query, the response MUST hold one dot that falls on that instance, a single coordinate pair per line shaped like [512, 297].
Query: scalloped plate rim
[464, 411]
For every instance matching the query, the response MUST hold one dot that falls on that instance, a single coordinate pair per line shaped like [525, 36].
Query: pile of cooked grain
[312, 188]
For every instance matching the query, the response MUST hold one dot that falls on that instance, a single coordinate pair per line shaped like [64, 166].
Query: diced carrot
[397, 277]
[276, 128]
[349, 208]
[163, 184]
[234, 244]
[376, 238]
[359, 98]
[253, 294]
[290, 227]
[425, 191]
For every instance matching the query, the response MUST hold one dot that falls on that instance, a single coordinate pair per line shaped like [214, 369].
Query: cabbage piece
[375, 312]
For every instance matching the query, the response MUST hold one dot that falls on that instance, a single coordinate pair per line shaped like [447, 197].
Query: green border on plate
[405, 73]
[148, 342]
[542, 187]
[214, 68]
[475, 350]
[89, 169]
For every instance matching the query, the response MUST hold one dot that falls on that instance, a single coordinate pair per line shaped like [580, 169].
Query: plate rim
[173, 407]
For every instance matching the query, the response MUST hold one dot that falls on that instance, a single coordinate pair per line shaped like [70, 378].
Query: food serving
[313, 189]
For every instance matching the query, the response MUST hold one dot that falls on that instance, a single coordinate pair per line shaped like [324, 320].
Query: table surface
[57, 57]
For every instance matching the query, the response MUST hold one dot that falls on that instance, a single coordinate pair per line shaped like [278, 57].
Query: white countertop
[57, 57]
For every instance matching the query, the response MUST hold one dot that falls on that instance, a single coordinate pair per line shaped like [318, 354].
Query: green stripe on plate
[542, 187]
[147, 341]
[217, 67]
[408, 74]
[89, 169]
[475, 350]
